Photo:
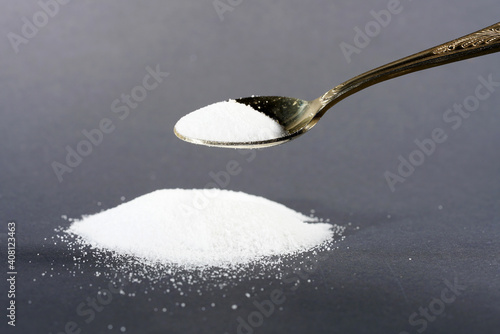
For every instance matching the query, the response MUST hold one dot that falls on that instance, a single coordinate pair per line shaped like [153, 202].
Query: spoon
[297, 116]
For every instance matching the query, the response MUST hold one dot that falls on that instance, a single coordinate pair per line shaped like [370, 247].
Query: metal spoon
[298, 116]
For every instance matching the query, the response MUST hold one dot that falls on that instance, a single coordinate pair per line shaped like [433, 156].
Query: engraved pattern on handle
[476, 39]
[479, 43]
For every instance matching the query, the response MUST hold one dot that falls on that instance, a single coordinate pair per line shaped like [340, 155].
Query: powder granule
[229, 121]
[201, 228]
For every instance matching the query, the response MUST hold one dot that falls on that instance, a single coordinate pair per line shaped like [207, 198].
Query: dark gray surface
[65, 79]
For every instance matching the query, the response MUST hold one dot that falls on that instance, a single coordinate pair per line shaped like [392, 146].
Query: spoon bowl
[297, 116]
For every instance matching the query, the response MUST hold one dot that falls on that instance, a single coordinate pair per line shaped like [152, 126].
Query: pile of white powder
[201, 228]
[229, 121]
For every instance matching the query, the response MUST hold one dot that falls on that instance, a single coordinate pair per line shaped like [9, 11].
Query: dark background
[445, 216]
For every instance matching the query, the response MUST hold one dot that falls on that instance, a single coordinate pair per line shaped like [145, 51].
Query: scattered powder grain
[229, 121]
[201, 228]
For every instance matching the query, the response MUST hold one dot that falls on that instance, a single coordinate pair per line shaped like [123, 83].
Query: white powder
[229, 121]
[201, 228]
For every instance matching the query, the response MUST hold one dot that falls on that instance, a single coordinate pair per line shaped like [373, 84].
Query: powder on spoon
[229, 121]
[230, 229]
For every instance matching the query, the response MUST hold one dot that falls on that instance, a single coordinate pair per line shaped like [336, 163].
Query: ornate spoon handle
[477, 44]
